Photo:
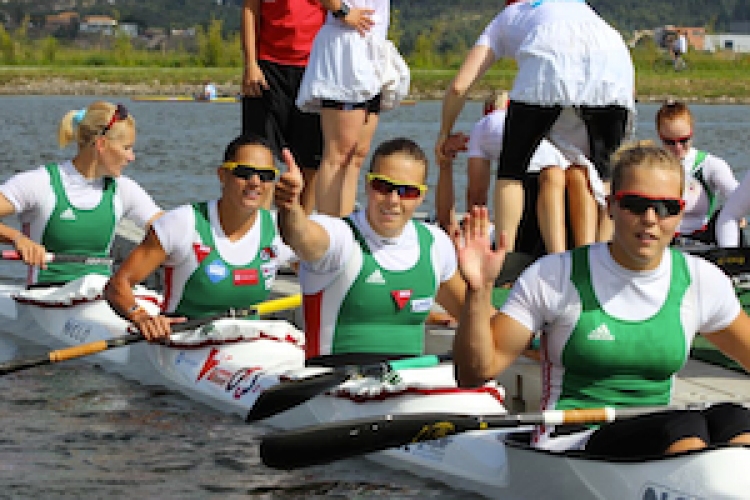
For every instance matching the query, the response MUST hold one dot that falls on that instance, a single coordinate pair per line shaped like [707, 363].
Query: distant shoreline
[62, 87]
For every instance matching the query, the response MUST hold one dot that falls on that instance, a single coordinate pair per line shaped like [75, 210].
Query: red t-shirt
[287, 29]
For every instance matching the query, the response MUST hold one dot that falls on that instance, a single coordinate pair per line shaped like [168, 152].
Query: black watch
[342, 12]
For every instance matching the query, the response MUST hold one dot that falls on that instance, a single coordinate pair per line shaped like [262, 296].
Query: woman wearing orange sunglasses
[218, 254]
[74, 206]
[370, 280]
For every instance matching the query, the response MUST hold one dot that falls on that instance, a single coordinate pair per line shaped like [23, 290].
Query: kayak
[183, 98]
[228, 363]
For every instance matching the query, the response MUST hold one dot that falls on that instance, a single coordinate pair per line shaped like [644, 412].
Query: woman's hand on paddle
[289, 186]
[478, 263]
[156, 328]
[31, 252]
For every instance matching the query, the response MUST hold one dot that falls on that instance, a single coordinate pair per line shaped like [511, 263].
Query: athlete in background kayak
[217, 254]
[73, 207]
[708, 179]
[616, 319]
[369, 280]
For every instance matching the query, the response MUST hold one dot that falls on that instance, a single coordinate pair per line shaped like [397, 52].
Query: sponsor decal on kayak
[244, 381]
[76, 330]
[653, 491]
[215, 357]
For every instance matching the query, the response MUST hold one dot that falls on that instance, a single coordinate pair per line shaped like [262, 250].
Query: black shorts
[371, 105]
[652, 434]
[527, 124]
[275, 116]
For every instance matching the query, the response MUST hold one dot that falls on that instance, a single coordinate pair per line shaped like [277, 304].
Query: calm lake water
[73, 431]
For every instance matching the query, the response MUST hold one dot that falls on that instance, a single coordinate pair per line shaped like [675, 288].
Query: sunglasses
[673, 142]
[121, 113]
[384, 185]
[247, 171]
[638, 204]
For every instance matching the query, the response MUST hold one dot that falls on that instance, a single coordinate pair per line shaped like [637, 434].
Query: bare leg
[741, 439]
[509, 200]
[584, 213]
[606, 228]
[336, 184]
[478, 182]
[550, 209]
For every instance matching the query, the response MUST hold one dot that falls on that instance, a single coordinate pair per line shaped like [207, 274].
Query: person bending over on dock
[616, 319]
[369, 280]
[218, 254]
[568, 59]
[73, 207]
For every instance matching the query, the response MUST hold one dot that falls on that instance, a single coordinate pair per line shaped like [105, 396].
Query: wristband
[342, 12]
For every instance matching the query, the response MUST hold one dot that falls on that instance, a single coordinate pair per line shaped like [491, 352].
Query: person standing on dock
[354, 73]
[568, 58]
[369, 280]
[74, 206]
[276, 37]
[616, 319]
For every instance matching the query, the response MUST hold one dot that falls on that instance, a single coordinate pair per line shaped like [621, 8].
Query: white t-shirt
[566, 54]
[176, 232]
[394, 254]
[33, 198]
[736, 207]
[718, 175]
[486, 141]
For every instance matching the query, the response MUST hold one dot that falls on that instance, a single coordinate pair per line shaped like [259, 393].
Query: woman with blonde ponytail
[73, 207]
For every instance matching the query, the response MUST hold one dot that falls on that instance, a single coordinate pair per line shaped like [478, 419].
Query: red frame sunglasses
[639, 203]
[121, 113]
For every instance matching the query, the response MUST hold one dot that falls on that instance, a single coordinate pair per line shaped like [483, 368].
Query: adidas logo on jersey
[601, 332]
[376, 278]
[68, 214]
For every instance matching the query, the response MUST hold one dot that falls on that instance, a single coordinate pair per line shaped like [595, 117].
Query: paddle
[732, 261]
[89, 348]
[292, 392]
[322, 444]
[55, 257]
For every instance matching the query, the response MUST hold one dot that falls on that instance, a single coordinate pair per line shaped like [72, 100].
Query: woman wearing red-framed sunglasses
[616, 319]
[709, 179]
[73, 206]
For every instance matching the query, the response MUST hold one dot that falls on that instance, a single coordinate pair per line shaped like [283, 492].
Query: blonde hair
[643, 154]
[84, 126]
[674, 110]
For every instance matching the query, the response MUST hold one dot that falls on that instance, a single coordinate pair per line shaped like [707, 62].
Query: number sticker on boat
[76, 330]
[656, 492]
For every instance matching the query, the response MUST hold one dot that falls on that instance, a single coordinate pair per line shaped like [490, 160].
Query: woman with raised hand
[353, 73]
[218, 254]
[74, 206]
[370, 280]
[616, 319]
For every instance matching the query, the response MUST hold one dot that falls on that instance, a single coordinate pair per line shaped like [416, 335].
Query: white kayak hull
[230, 374]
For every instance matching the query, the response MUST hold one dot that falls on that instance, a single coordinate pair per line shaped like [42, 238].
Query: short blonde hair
[643, 154]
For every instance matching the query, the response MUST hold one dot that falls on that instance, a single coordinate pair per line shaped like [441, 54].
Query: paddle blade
[327, 443]
[291, 393]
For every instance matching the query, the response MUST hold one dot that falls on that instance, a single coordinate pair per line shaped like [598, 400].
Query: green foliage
[49, 47]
